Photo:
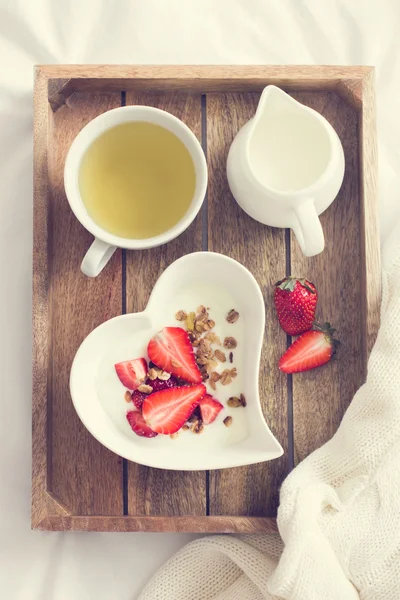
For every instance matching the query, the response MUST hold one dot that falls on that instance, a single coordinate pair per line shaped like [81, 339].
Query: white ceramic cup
[105, 243]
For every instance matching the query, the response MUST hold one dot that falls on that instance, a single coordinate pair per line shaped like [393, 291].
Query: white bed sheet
[56, 566]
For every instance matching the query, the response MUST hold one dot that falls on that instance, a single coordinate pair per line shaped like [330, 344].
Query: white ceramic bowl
[215, 281]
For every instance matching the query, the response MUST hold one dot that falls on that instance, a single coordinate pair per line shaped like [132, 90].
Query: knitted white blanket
[339, 514]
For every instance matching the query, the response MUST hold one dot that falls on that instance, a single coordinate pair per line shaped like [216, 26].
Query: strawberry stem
[329, 331]
[289, 283]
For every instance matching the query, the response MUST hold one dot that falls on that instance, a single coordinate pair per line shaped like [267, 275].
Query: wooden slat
[84, 476]
[320, 397]
[188, 524]
[155, 491]
[249, 490]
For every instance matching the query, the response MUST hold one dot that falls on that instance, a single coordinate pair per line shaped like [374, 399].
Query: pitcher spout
[275, 102]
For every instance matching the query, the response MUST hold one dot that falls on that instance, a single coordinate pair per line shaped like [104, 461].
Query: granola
[230, 342]
[226, 378]
[220, 355]
[181, 315]
[215, 376]
[233, 316]
[204, 373]
[227, 375]
[197, 427]
[212, 337]
[199, 326]
[228, 421]
[205, 355]
[236, 402]
[189, 321]
[194, 336]
[164, 375]
[152, 374]
[195, 424]
[145, 389]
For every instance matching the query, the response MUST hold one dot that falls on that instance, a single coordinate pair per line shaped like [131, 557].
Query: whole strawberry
[295, 303]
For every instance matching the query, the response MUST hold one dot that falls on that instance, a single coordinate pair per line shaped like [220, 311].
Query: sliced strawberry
[171, 350]
[139, 425]
[138, 398]
[209, 409]
[132, 373]
[157, 385]
[166, 411]
[310, 350]
[162, 384]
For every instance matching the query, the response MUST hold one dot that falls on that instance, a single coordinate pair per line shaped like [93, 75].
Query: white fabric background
[44, 566]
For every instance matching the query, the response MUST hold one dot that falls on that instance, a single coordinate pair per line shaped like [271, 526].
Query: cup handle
[96, 258]
[309, 232]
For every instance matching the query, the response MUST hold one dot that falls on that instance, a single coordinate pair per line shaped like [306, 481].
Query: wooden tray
[77, 483]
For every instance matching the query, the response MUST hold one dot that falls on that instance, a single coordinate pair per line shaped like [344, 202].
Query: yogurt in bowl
[202, 278]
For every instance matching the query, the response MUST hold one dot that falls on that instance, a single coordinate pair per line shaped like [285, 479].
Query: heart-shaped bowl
[202, 278]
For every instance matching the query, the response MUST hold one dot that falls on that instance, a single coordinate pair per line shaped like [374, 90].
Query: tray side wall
[371, 274]
[43, 503]
[67, 79]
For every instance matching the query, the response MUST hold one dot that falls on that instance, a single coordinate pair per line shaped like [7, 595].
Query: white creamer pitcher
[286, 166]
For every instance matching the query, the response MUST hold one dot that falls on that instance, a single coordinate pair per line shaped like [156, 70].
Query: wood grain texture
[191, 78]
[351, 90]
[83, 475]
[42, 503]
[320, 397]
[163, 524]
[76, 483]
[369, 221]
[294, 73]
[155, 491]
[251, 490]
[58, 93]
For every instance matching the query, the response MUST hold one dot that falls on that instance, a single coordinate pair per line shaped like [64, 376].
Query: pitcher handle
[309, 232]
[96, 258]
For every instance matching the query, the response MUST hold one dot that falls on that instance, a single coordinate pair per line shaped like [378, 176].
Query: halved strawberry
[166, 411]
[132, 373]
[171, 350]
[139, 425]
[209, 409]
[310, 350]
